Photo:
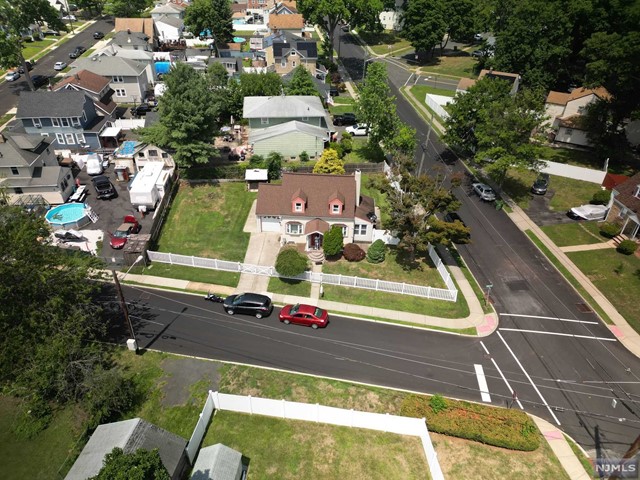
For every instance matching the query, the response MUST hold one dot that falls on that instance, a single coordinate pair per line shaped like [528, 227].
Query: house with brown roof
[624, 207]
[305, 206]
[284, 22]
[512, 78]
[95, 86]
[566, 110]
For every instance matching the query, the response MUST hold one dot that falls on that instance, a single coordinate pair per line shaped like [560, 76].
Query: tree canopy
[425, 24]
[140, 465]
[301, 82]
[212, 15]
[189, 115]
[329, 162]
[126, 8]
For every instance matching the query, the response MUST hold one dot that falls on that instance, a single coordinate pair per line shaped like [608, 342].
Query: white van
[94, 164]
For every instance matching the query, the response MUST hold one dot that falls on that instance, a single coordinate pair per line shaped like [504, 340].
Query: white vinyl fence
[449, 294]
[436, 102]
[331, 415]
[201, 428]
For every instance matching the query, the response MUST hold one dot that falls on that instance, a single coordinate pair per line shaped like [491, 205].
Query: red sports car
[304, 315]
[121, 235]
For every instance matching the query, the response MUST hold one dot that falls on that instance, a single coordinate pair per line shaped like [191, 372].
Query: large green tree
[301, 82]
[189, 116]
[375, 105]
[329, 162]
[126, 8]
[211, 15]
[15, 18]
[425, 24]
[139, 465]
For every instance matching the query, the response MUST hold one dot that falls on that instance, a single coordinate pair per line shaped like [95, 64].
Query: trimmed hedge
[601, 197]
[627, 247]
[291, 262]
[610, 230]
[500, 427]
[376, 252]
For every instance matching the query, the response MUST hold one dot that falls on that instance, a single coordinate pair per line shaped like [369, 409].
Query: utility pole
[123, 304]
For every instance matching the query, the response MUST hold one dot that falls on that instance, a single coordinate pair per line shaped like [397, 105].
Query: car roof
[304, 308]
[254, 296]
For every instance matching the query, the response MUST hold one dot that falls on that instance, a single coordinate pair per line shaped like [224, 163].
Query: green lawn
[207, 221]
[342, 104]
[31, 49]
[617, 276]
[379, 197]
[455, 66]
[363, 152]
[289, 449]
[565, 192]
[385, 42]
[420, 91]
[180, 272]
[285, 286]
[577, 233]
[623, 162]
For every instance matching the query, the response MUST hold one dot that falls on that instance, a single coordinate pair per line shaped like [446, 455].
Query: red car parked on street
[121, 235]
[304, 315]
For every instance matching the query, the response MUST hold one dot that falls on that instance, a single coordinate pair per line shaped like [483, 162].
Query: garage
[270, 223]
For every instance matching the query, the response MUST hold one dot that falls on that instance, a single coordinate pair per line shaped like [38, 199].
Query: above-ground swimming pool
[69, 215]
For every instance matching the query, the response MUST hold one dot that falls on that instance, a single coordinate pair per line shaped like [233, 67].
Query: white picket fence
[449, 294]
[319, 414]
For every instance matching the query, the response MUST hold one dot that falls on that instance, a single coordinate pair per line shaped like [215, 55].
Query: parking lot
[111, 212]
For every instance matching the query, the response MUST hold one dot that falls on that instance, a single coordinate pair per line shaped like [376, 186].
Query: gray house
[287, 124]
[28, 166]
[131, 435]
[69, 116]
[129, 79]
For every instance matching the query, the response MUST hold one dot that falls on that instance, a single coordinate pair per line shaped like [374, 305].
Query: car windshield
[294, 309]
[120, 233]
[318, 312]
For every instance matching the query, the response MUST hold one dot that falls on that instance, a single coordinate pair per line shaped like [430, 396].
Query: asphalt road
[10, 91]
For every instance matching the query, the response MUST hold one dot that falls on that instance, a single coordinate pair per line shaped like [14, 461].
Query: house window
[165, 155]
[305, 119]
[141, 154]
[153, 153]
[75, 121]
[297, 207]
[335, 208]
[345, 230]
[37, 122]
[80, 138]
[622, 213]
[17, 190]
[121, 92]
[60, 138]
[294, 228]
[69, 138]
[284, 62]
[15, 171]
[55, 122]
[264, 121]
[360, 230]
[64, 122]
[64, 185]
[117, 79]
[293, 64]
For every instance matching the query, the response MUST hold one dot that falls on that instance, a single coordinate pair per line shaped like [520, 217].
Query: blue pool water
[69, 215]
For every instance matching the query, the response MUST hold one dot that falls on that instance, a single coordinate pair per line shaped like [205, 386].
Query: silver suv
[484, 191]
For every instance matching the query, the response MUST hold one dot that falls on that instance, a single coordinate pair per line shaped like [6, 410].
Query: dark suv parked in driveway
[344, 119]
[249, 303]
[104, 187]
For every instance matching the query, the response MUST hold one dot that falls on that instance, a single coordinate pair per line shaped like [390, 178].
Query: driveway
[542, 215]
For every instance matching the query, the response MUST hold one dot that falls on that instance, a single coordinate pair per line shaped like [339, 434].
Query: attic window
[335, 208]
[298, 207]
[264, 121]
[637, 192]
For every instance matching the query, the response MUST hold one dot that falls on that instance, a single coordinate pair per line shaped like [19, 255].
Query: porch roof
[316, 225]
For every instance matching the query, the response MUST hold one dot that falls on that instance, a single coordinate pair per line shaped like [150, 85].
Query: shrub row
[500, 427]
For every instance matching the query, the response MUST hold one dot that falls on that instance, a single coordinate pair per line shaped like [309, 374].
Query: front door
[315, 241]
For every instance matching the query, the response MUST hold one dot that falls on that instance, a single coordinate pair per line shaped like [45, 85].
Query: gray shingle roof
[108, 65]
[259, 134]
[281, 106]
[172, 21]
[63, 103]
[217, 462]
[43, 177]
[21, 150]
[130, 38]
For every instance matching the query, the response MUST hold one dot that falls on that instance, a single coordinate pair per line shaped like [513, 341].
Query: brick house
[624, 207]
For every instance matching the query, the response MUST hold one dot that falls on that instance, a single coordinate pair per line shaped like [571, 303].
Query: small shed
[218, 462]
[254, 177]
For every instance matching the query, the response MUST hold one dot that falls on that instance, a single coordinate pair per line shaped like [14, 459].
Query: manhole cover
[584, 308]
[518, 285]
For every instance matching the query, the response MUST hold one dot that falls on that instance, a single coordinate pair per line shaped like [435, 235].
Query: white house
[391, 18]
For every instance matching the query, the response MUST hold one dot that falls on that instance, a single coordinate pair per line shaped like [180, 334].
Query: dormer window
[335, 208]
[637, 192]
[298, 207]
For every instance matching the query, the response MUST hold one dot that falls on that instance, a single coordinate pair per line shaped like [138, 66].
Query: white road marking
[557, 319]
[529, 378]
[503, 377]
[482, 383]
[588, 337]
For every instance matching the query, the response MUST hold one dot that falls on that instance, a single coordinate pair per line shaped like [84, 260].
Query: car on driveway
[249, 303]
[484, 191]
[588, 212]
[98, 35]
[478, 53]
[59, 66]
[345, 119]
[79, 50]
[51, 31]
[541, 184]
[12, 76]
[129, 226]
[39, 80]
[358, 130]
[104, 187]
[141, 109]
[302, 314]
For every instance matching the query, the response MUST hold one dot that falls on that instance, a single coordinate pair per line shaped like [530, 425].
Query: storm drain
[518, 285]
[584, 308]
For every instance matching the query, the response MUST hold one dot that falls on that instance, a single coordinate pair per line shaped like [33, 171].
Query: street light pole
[132, 342]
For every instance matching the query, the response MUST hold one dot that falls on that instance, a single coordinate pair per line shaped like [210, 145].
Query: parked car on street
[249, 303]
[302, 314]
[79, 50]
[59, 66]
[358, 130]
[129, 226]
[541, 184]
[39, 80]
[485, 192]
[104, 187]
[452, 217]
[30, 65]
[69, 18]
[12, 76]
[98, 35]
[588, 212]
[345, 119]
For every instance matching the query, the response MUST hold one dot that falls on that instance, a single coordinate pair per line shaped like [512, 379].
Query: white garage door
[270, 224]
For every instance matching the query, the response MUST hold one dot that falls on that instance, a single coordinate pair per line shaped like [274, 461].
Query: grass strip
[420, 112]
[471, 279]
[578, 452]
[572, 280]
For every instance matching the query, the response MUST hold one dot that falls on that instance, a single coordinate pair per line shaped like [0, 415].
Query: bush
[377, 252]
[332, 244]
[338, 148]
[353, 253]
[256, 161]
[346, 143]
[609, 230]
[501, 427]
[627, 247]
[291, 262]
[304, 156]
[35, 415]
[601, 197]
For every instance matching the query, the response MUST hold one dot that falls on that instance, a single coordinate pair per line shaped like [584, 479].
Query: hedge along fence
[499, 427]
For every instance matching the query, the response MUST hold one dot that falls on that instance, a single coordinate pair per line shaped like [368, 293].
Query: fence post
[284, 408]
[215, 263]
[403, 288]
[250, 405]
[429, 292]
[340, 279]
[377, 282]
